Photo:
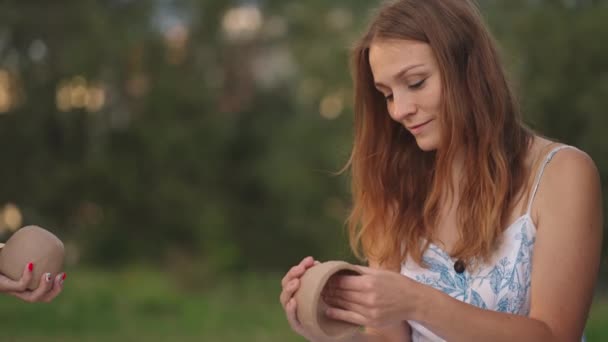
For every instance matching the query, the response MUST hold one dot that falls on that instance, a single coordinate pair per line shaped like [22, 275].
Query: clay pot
[311, 307]
[31, 244]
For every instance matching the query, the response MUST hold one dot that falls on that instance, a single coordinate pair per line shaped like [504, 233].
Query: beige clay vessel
[31, 244]
[311, 307]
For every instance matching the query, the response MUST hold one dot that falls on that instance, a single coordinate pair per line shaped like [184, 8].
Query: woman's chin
[426, 144]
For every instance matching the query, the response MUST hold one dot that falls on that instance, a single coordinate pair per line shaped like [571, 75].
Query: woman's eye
[389, 97]
[417, 85]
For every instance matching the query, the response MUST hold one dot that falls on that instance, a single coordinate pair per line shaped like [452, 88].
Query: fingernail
[47, 277]
[30, 266]
[63, 277]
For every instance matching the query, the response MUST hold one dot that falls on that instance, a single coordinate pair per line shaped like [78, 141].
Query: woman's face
[406, 73]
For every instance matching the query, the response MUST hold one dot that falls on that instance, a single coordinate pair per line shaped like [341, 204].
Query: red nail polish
[64, 276]
[30, 266]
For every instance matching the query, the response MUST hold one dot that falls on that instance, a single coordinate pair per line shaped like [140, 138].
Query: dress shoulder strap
[542, 167]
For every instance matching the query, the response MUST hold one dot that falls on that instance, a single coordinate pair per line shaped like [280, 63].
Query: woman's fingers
[8, 285]
[347, 316]
[298, 270]
[345, 304]
[289, 290]
[291, 274]
[362, 299]
[292, 317]
[56, 290]
[290, 284]
[292, 313]
[290, 281]
[348, 282]
[46, 283]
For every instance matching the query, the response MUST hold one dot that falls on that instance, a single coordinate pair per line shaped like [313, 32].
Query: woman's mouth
[416, 129]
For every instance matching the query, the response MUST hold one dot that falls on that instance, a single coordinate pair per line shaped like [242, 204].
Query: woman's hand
[290, 284]
[48, 289]
[376, 298]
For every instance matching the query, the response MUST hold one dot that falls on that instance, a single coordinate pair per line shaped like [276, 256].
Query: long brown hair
[396, 187]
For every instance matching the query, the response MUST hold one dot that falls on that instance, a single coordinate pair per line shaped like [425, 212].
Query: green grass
[143, 305]
[597, 325]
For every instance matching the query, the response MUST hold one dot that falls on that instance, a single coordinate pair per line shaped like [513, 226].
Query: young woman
[474, 227]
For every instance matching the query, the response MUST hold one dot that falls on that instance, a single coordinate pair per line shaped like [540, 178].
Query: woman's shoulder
[570, 180]
[569, 164]
[565, 161]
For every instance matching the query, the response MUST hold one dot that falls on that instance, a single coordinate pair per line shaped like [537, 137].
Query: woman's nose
[403, 106]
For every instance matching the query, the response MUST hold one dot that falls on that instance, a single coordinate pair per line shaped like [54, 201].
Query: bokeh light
[6, 97]
[242, 23]
[78, 93]
[332, 106]
[10, 217]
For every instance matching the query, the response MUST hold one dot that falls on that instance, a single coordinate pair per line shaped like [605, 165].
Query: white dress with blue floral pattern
[502, 284]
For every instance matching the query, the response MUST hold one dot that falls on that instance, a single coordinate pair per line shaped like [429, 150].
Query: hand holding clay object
[311, 310]
[305, 309]
[30, 265]
[290, 284]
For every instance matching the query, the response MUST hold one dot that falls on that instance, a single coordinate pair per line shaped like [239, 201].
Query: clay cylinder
[311, 307]
[31, 244]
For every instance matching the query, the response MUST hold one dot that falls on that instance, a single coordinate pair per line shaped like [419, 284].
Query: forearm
[454, 320]
[377, 337]
[367, 337]
[361, 337]
[401, 333]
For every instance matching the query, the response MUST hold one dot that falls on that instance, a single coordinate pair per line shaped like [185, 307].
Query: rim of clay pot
[323, 325]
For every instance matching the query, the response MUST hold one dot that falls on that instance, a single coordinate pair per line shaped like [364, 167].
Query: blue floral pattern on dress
[503, 286]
